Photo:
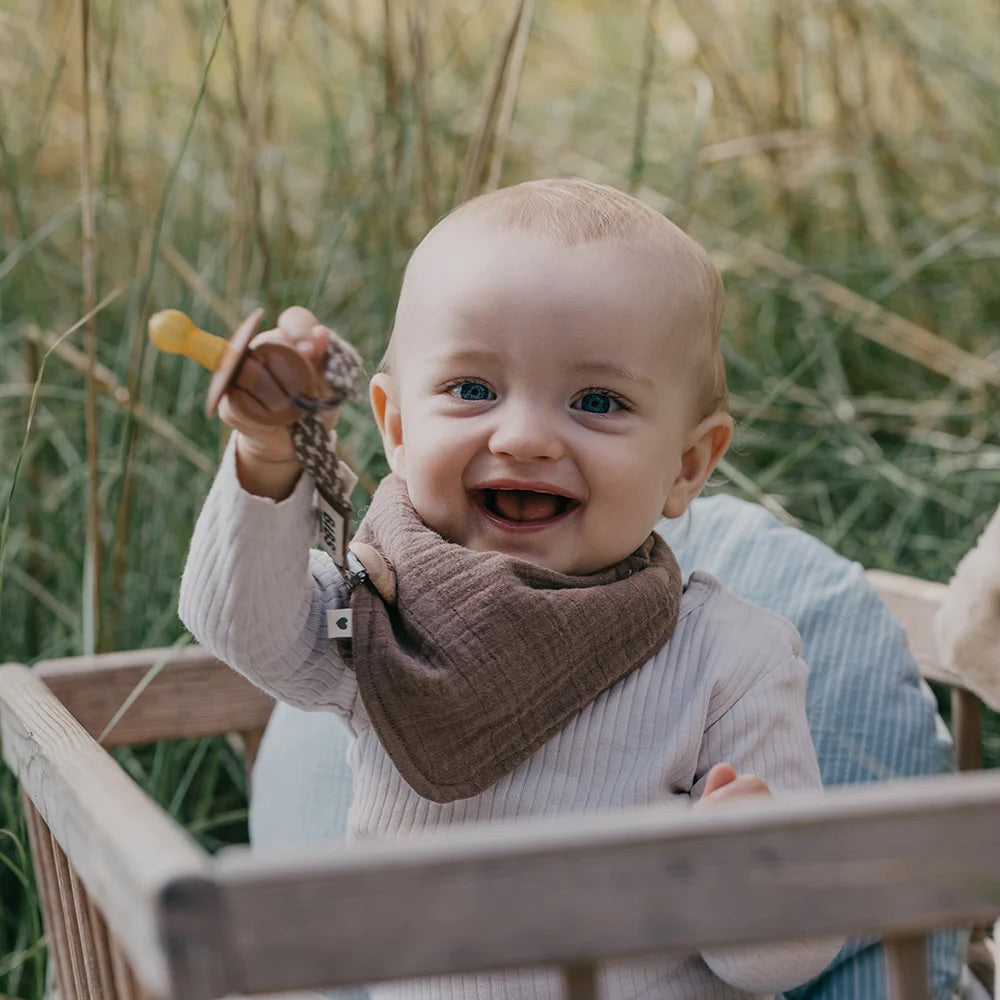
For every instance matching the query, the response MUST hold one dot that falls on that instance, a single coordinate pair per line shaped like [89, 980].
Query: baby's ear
[384, 398]
[705, 446]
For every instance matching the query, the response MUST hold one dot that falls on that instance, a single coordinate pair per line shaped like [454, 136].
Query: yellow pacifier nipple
[172, 331]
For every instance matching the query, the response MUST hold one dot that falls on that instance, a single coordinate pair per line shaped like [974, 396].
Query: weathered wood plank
[906, 968]
[915, 602]
[74, 987]
[894, 859]
[84, 934]
[966, 729]
[122, 846]
[102, 952]
[580, 982]
[40, 841]
[192, 695]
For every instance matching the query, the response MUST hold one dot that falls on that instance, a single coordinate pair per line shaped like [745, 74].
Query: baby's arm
[254, 593]
[761, 746]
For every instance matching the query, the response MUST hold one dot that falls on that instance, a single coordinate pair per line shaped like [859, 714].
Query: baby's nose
[526, 433]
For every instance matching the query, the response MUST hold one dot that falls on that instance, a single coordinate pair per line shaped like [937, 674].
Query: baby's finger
[300, 328]
[718, 777]
[744, 786]
[270, 337]
[297, 322]
[299, 325]
[313, 346]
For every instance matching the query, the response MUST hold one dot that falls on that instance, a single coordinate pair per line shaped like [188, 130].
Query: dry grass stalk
[119, 544]
[229, 316]
[780, 140]
[86, 367]
[390, 79]
[113, 157]
[784, 41]
[106, 381]
[475, 158]
[787, 48]
[33, 562]
[92, 612]
[873, 321]
[704, 99]
[911, 267]
[418, 46]
[32, 585]
[723, 56]
[649, 44]
[511, 90]
[249, 198]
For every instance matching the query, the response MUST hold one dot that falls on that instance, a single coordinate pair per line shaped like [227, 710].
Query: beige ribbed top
[728, 686]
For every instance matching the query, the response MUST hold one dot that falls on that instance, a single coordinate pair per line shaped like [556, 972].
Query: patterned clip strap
[316, 451]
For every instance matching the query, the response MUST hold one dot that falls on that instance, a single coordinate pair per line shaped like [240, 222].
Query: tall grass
[839, 159]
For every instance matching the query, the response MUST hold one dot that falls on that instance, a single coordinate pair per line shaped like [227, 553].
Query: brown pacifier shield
[270, 376]
[261, 382]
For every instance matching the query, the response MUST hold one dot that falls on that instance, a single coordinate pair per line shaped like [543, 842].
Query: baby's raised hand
[260, 439]
[724, 785]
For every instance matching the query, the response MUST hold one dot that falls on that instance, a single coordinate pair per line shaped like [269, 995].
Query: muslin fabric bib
[467, 662]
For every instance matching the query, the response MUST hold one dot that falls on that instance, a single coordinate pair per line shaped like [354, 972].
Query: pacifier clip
[274, 384]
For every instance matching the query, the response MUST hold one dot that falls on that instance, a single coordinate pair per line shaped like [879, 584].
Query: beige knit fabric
[729, 685]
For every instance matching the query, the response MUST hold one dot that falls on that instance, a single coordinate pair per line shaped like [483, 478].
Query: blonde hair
[571, 211]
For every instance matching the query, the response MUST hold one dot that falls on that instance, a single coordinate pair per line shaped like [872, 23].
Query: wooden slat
[966, 728]
[580, 982]
[892, 860]
[74, 987]
[192, 695]
[914, 603]
[906, 968]
[102, 952]
[125, 982]
[196, 695]
[42, 858]
[192, 920]
[122, 846]
[84, 933]
[896, 859]
[251, 747]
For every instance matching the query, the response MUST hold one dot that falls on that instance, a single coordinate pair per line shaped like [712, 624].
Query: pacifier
[271, 383]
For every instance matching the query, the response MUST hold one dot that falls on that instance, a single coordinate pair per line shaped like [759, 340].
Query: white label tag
[340, 623]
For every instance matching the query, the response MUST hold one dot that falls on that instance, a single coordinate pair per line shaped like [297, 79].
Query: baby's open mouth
[524, 506]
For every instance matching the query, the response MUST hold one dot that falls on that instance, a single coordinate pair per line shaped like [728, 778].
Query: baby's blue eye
[596, 402]
[472, 392]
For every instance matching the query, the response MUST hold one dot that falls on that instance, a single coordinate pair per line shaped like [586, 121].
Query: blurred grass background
[841, 160]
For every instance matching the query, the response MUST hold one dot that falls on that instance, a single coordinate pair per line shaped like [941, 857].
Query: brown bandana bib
[476, 658]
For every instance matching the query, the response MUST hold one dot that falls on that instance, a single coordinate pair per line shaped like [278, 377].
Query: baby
[522, 641]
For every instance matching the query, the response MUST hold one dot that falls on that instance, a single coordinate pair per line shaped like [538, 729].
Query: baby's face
[538, 402]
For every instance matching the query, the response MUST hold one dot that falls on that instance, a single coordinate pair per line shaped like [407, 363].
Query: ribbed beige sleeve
[255, 593]
[754, 736]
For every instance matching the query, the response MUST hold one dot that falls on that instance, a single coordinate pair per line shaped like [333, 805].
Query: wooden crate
[135, 909]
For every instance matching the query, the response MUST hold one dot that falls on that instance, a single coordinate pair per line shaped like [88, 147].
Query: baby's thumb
[718, 777]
